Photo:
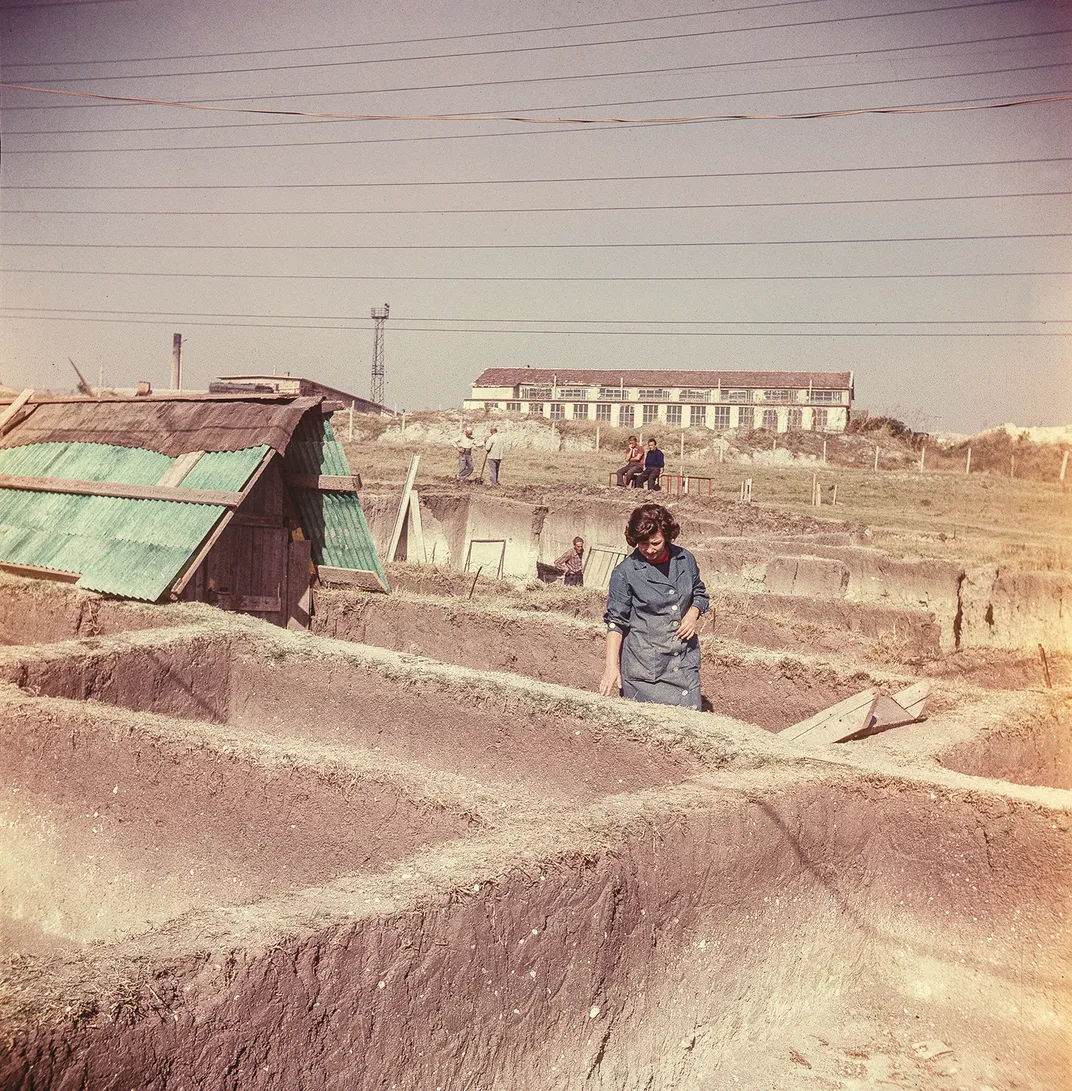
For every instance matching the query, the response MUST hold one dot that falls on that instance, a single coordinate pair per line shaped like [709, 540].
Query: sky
[608, 214]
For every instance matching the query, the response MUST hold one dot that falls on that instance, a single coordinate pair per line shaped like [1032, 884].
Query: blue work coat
[646, 607]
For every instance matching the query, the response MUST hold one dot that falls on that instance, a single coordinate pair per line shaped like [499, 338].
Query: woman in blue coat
[654, 606]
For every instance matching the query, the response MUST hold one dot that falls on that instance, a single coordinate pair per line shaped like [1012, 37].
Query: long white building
[779, 401]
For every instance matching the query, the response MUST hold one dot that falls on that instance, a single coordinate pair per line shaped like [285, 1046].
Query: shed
[240, 501]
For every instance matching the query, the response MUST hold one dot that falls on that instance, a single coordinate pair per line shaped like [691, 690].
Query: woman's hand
[690, 624]
[610, 685]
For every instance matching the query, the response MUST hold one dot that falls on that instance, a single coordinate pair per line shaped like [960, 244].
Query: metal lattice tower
[379, 318]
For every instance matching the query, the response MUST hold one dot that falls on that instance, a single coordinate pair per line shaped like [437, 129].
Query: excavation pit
[116, 823]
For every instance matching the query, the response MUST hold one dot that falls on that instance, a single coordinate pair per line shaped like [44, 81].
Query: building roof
[168, 425]
[82, 493]
[793, 380]
[293, 384]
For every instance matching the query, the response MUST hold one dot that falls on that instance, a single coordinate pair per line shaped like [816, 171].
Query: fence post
[597, 437]
[967, 465]
[1064, 467]
[824, 452]
[876, 456]
[922, 457]
[833, 497]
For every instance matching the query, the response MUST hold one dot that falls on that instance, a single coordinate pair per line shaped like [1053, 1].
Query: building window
[770, 420]
[513, 407]
[491, 405]
[580, 410]
[611, 394]
[651, 413]
[654, 395]
[573, 393]
[738, 396]
[746, 418]
[722, 416]
[673, 414]
[796, 419]
[530, 392]
[818, 420]
[776, 395]
[693, 395]
[536, 407]
[827, 397]
[603, 413]
[698, 416]
[558, 411]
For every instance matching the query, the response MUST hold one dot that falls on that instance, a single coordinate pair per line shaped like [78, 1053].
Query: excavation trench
[760, 930]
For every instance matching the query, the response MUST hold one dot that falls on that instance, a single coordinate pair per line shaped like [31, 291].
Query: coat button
[684, 693]
[676, 669]
[674, 607]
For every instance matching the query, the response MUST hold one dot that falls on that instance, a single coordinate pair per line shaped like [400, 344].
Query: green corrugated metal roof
[85, 462]
[133, 548]
[334, 521]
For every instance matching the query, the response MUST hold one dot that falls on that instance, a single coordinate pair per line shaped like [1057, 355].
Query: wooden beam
[120, 491]
[848, 718]
[9, 413]
[420, 553]
[180, 468]
[38, 573]
[365, 579]
[403, 508]
[325, 482]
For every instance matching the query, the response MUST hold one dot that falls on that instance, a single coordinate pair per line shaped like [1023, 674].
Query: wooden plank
[121, 492]
[9, 413]
[850, 718]
[249, 604]
[351, 577]
[403, 508]
[242, 519]
[325, 482]
[420, 553]
[299, 585]
[38, 573]
[180, 468]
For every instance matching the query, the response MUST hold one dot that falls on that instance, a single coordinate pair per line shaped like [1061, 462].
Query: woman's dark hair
[650, 519]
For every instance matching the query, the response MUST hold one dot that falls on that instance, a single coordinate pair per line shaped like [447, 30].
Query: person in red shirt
[634, 465]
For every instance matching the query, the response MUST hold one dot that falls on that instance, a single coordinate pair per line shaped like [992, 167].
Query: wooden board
[37, 573]
[403, 508]
[415, 541]
[361, 578]
[850, 719]
[9, 413]
[121, 492]
[299, 584]
[325, 482]
[180, 468]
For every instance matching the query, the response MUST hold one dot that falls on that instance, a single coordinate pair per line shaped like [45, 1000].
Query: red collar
[659, 560]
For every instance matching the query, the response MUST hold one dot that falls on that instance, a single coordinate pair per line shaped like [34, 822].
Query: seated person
[634, 465]
[653, 467]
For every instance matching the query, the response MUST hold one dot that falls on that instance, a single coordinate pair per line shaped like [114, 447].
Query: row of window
[654, 394]
[696, 417]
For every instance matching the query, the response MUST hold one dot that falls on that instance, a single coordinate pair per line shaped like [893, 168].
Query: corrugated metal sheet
[334, 521]
[132, 548]
[85, 462]
[227, 471]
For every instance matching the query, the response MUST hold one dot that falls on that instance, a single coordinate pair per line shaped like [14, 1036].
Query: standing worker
[494, 446]
[654, 605]
[572, 563]
[465, 455]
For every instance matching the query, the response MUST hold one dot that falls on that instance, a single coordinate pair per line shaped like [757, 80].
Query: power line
[111, 100]
[574, 106]
[560, 333]
[536, 280]
[560, 181]
[530, 246]
[516, 211]
[717, 32]
[417, 41]
[587, 124]
[573, 321]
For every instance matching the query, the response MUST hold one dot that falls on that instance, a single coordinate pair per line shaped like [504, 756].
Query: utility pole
[379, 318]
[176, 362]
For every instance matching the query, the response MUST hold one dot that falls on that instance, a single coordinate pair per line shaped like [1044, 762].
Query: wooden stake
[350, 429]
[597, 437]
[1045, 667]
[922, 458]
[1064, 467]
[682, 456]
[816, 496]
[876, 456]
[420, 551]
[1012, 466]
[824, 452]
[967, 465]
[833, 497]
[475, 578]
